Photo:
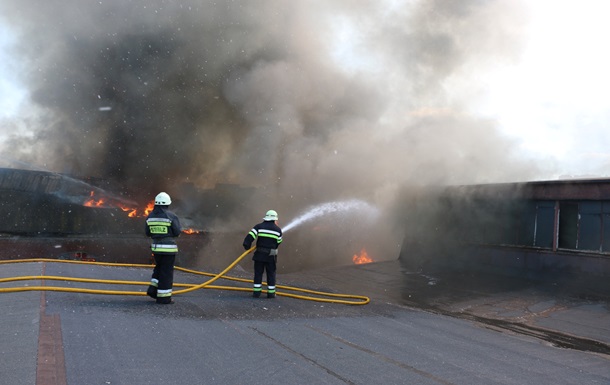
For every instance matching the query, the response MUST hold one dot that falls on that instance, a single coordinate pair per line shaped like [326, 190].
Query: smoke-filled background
[304, 101]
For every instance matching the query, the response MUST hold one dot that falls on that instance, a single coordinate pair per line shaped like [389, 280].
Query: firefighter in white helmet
[163, 227]
[268, 237]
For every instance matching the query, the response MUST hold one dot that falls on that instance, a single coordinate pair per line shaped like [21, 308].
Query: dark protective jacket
[163, 226]
[268, 237]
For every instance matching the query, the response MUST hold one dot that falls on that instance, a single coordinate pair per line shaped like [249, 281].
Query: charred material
[38, 203]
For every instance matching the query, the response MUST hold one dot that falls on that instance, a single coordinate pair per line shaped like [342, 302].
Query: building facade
[534, 228]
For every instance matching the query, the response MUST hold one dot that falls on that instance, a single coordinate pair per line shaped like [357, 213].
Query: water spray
[331, 207]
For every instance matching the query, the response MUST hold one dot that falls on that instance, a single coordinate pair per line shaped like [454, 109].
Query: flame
[93, 202]
[149, 208]
[190, 231]
[362, 258]
[132, 212]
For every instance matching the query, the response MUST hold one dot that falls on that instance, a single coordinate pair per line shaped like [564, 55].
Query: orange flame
[190, 231]
[131, 211]
[362, 258]
[149, 208]
[93, 202]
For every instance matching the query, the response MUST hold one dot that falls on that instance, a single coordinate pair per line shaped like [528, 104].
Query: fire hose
[345, 299]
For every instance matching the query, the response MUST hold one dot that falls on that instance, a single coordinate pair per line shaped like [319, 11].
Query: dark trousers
[163, 273]
[260, 268]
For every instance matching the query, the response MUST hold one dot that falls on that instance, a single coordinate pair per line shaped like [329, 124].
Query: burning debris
[93, 201]
[131, 211]
[362, 258]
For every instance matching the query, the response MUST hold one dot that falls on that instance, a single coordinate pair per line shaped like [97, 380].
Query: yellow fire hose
[346, 298]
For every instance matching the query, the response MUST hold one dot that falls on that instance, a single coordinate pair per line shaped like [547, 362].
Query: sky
[12, 93]
[553, 98]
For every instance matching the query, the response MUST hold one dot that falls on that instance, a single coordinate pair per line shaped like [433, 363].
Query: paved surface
[418, 329]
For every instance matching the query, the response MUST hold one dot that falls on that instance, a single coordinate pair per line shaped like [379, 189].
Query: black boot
[270, 295]
[165, 301]
[152, 292]
[256, 294]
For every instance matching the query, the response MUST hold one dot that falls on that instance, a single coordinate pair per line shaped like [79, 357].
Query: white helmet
[270, 216]
[163, 199]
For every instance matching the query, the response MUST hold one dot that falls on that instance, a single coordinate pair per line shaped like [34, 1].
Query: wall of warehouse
[512, 229]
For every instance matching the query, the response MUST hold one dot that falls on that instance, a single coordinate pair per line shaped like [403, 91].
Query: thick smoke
[267, 94]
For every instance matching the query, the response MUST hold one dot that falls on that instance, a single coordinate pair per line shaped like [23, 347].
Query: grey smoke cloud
[149, 94]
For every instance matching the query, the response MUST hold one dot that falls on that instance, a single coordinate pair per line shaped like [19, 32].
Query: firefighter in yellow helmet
[268, 237]
[163, 226]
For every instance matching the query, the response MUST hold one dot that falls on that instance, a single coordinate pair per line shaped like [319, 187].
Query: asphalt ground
[417, 329]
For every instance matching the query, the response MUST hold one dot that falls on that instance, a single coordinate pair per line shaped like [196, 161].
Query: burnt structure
[45, 216]
[51, 215]
[39, 203]
[547, 228]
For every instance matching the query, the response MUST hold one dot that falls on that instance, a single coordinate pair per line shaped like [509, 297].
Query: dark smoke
[154, 94]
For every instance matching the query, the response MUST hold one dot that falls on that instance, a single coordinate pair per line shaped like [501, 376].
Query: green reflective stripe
[273, 236]
[271, 291]
[258, 289]
[252, 233]
[269, 232]
[164, 248]
[158, 223]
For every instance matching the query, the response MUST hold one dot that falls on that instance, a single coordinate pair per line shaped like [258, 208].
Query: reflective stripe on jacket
[163, 226]
[268, 237]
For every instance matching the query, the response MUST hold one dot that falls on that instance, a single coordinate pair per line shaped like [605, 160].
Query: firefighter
[162, 226]
[268, 237]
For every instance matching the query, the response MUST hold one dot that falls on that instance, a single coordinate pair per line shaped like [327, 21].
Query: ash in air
[153, 95]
